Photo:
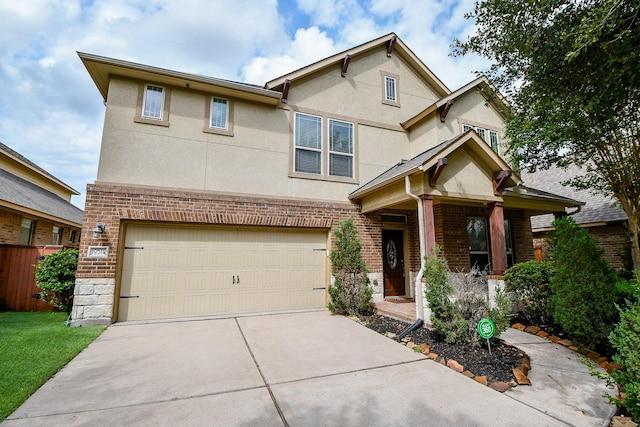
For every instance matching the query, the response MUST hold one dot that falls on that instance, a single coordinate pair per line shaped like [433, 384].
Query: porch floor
[398, 308]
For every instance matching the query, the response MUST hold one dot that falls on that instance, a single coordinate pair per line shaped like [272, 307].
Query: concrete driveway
[298, 369]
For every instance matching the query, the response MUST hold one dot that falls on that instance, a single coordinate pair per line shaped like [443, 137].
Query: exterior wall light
[97, 232]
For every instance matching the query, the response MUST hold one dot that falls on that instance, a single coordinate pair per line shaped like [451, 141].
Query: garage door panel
[193, 271]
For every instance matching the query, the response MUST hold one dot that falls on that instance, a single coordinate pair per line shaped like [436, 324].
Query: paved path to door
[299, 369]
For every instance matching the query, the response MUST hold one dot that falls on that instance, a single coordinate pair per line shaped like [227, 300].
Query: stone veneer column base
[93, 302]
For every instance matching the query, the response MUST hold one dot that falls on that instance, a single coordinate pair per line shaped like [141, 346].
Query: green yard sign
[486, 328]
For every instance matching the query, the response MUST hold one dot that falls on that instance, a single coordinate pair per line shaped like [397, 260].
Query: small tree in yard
[350, 292]
[583, 286]
[56, 276]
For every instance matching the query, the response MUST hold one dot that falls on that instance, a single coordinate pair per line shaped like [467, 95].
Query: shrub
[529, 285]
[626, 340]
[56, 276]
[350, 292]
[457, 320]
[446, 320]
[583, 291]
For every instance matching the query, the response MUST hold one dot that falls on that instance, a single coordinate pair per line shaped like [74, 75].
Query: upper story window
[56, 235]
[308, 141]
[340, 148]
[389, 89]
[219, 116]
[490, 136]
[390, 93]
[153, 104]
[26, 231]
[329, 157]
[219, 113]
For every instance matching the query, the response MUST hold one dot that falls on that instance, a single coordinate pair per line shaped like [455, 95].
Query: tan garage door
[171, 272]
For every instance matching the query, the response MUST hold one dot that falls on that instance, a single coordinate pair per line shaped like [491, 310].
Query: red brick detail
[115, 205]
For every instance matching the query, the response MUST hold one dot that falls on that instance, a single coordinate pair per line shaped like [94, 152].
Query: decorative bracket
[499, 180]
[444, 110]
[434, 172]
[285, 90]
[390, 45]
[345, 65]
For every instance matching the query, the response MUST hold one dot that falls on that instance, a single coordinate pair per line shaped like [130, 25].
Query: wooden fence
[17, 277]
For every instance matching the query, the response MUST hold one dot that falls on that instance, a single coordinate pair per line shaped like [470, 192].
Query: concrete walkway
[298, 369]
[560, 383]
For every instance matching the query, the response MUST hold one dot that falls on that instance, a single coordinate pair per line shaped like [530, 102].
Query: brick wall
[451, 233]
[612, 238]
[9, 226]
[113, 204]
[11, 222]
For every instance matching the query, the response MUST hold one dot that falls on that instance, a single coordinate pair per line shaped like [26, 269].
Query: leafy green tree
[569, 70]
[56, 276]
[626, 340]
[583, 286]
[529, 284]
[350, 292]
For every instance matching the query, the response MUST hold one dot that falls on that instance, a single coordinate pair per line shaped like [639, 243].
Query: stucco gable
[337, 61]
[493, 98]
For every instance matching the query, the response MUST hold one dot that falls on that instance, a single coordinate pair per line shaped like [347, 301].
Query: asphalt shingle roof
[597, 208]
[23, 193]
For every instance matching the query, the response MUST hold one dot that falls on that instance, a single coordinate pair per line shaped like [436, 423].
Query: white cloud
[51, 112]
[308, 46]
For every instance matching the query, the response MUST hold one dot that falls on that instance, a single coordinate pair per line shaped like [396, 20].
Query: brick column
[498, 248]
[429, 224]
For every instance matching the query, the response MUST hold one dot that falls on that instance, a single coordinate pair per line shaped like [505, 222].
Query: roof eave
[101, 69]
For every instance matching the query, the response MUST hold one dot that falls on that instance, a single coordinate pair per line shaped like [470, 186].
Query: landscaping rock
[532, 329]
[518, 326]
[482, 379]
[455, 366]
[500, 386]
[521, 377]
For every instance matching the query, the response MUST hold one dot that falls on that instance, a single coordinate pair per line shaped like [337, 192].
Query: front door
[393, 262]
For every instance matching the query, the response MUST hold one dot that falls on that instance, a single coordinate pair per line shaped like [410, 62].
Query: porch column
[429, 224]
[498, 247]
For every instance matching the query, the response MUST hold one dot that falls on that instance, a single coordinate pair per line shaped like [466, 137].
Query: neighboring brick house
[35, 206]
[215, 197]
[605, 221]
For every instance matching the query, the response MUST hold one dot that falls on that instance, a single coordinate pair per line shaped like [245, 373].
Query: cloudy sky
[52, 113]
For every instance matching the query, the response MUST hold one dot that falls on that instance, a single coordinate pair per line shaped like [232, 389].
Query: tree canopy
[570, 70]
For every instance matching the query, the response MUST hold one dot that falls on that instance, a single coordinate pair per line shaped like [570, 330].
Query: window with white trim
[340, 148]
[153, 103]
[492, 138]
[219, 113]
[308, 143]
[390, 89]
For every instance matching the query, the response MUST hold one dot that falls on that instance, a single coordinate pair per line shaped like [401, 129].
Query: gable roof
[20, 159]
[598, 208]
[399, 48]
[482, 84]
[427, 159]
[101, 69]
[19, 194]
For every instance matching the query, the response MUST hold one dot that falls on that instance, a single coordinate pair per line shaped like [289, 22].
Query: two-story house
[215, 197]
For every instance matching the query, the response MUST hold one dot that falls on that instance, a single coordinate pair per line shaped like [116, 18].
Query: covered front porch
[461, 196]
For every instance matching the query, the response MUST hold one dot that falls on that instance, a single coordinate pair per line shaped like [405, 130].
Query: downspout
[418, 284]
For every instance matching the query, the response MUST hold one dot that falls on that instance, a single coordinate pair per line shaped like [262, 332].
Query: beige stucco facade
[178, 172]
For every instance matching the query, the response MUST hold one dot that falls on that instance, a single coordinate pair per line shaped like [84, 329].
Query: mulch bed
[497, 366]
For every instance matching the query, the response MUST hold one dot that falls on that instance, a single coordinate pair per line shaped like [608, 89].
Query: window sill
[214, 131]
[391, 103]
[315, 177]
[148, 121]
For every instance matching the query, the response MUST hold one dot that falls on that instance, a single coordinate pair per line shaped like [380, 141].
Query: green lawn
[33, 347]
